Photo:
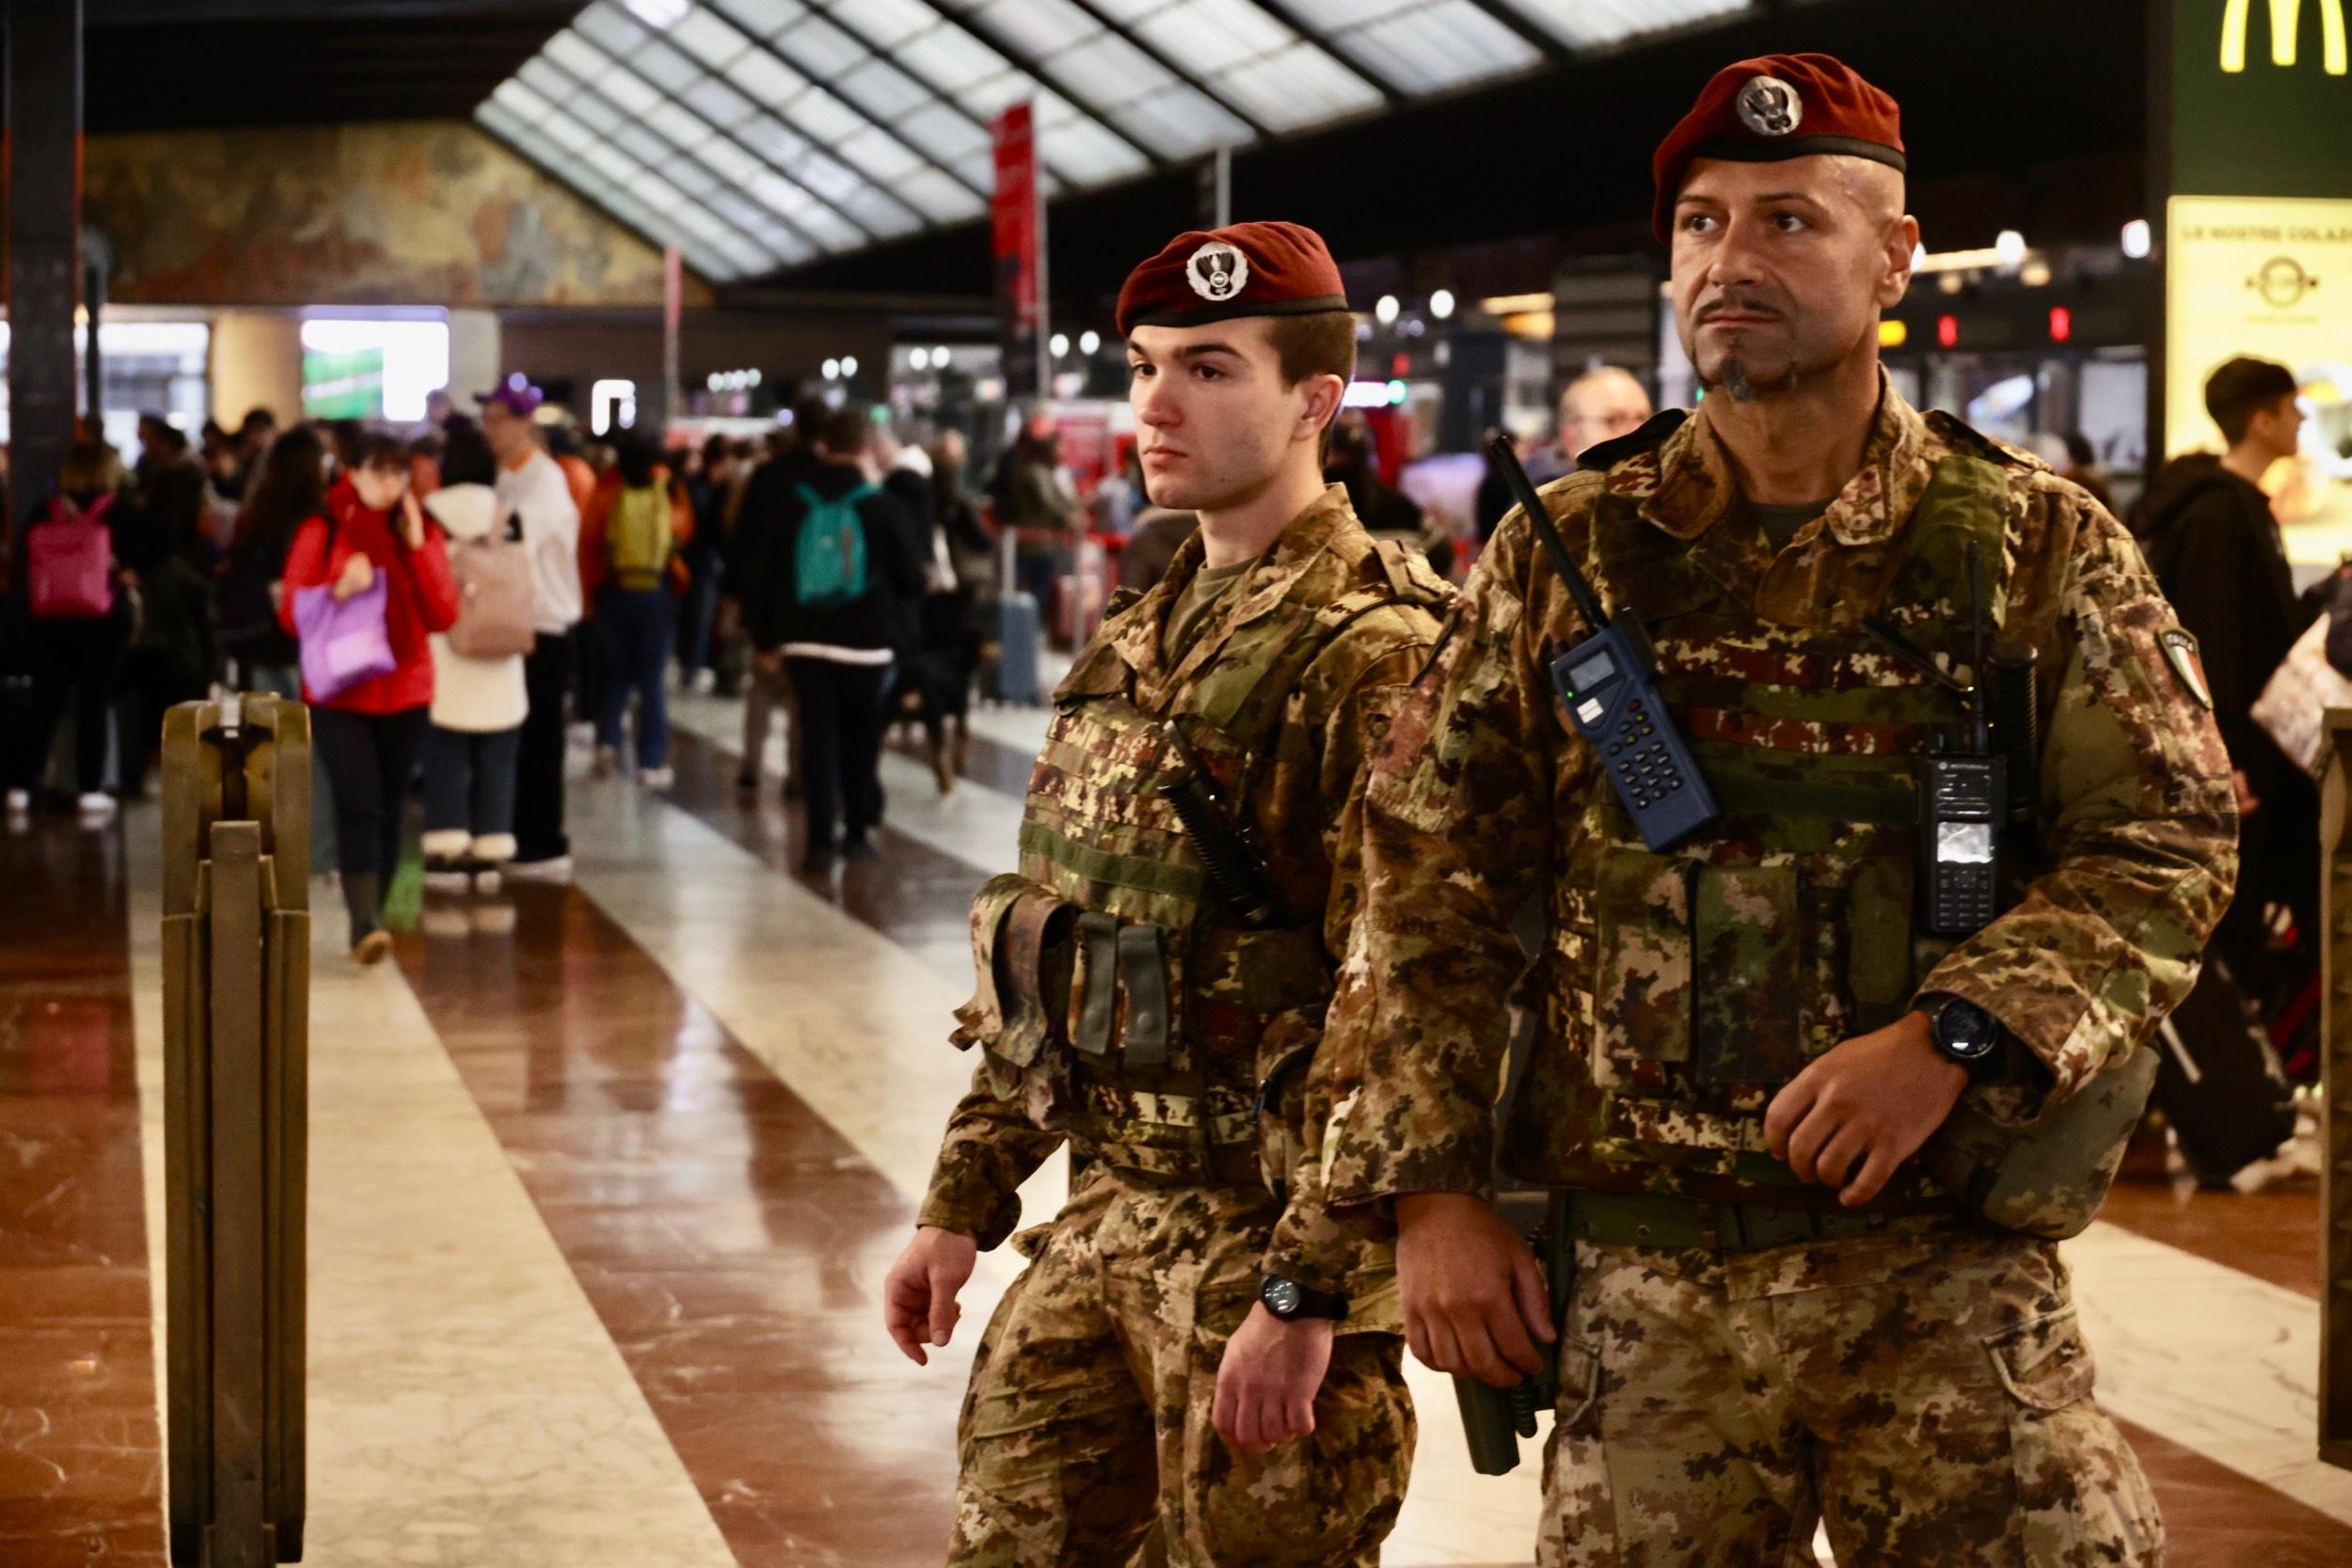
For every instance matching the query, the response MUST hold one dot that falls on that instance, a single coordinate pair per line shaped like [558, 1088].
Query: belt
[1671, 1221]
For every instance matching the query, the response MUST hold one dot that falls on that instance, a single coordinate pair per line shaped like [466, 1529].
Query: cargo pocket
[2081, 1496]
[1641, 999]
[1021, 962]
[1749, 1018]
[1577, 1410]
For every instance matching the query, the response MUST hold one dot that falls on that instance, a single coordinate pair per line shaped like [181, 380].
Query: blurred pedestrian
[533, 487]
[78, 623]
[479, 700]
[630, 540]
[825, 613]
[369, 732]
[2216, 548]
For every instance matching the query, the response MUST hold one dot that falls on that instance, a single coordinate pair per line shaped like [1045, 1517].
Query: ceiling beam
[863, 113]
[1545, 42]
[812, 243]
[1174, 68]
[1397, 97]
[1041, 72]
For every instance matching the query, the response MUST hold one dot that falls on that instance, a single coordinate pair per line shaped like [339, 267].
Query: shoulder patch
[1648, 438]
[2180, 650]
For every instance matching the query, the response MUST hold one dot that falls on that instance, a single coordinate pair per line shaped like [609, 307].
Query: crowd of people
[451, 605]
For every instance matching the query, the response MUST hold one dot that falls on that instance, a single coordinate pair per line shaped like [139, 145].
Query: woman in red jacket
[368, 736]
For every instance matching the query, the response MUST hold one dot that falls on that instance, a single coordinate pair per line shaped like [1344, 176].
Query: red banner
[1016, 219]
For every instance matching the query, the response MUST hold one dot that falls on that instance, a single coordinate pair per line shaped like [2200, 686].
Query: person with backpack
[827, 615]
[537, 488]
[78, 623]
[631, 571]
[173, 652]
[479, 696]
[373, 544]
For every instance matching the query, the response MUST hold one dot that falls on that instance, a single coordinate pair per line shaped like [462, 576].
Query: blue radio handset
[1609, 684]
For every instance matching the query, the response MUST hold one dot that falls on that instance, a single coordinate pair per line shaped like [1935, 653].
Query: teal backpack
[829, 557]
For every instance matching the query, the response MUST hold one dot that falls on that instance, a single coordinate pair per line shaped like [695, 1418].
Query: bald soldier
[1196, 1342]
[1777, 1316]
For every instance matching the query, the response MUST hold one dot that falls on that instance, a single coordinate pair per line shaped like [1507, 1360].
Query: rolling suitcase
[1012, 673]
[2218, 1082]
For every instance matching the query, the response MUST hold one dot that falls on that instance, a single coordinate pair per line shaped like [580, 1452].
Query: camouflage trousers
[1088, 1416]
[1924, 1390]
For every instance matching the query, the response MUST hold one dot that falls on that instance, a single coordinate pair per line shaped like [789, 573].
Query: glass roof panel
[1297, 86]
[1209, 36]
[939, 197]
[764, 16]
[1106, 69]
[715, 100]
[882, 89]
[702, 34]
[1431, 48]
[821, 49]
[1594, 23]
[765, 78]
[663, 65]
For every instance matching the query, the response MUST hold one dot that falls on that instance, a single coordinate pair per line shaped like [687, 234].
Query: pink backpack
[69, 564]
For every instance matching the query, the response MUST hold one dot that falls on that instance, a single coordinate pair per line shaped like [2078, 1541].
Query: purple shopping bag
[343, 641]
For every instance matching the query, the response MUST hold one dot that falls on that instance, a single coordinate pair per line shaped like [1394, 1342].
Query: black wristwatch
[1963, 1032]
[1288, 1300]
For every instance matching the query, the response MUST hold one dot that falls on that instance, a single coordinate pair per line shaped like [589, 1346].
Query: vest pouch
[1022, 955]
[1642, 1001]
[1752, 969]
[2046, 1177]
[1120, 992]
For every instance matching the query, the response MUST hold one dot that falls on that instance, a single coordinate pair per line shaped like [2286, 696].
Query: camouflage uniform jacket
[1285, 691]
[1637, 1081]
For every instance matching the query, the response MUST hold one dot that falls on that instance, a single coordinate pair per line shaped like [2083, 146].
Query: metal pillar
[44, 183]
[2335, 1047]
[236, 941]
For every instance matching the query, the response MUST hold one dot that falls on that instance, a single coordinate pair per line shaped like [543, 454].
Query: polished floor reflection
[605, 1178]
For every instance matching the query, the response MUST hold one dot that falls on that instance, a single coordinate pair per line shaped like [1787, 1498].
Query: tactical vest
[1711, 976]
[1118, 1001]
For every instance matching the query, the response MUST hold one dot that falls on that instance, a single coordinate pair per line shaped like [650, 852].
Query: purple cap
[520, 397]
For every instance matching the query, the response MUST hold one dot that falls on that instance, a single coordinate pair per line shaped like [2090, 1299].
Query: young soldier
[1195, 1341]
[1777, 1316]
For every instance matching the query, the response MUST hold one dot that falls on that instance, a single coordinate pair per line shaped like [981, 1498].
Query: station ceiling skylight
[754, 134]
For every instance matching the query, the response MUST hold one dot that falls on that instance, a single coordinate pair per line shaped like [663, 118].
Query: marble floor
[605, 1177]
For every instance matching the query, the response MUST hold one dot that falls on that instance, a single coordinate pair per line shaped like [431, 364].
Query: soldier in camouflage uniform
[1776, 1318]
[1195, 1344]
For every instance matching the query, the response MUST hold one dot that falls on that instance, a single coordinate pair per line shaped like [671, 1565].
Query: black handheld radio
[1965, 800]
[1609, 684]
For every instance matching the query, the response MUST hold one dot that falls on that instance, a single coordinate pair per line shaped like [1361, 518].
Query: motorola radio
[1609, 684]
[1969, 799]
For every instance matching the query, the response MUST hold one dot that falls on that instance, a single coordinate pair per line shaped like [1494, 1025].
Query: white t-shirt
[538, 492]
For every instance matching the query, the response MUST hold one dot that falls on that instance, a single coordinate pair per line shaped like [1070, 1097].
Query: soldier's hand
[1266, 1384]
[1474, 1297]
[919, 1297]
[1864, 1107]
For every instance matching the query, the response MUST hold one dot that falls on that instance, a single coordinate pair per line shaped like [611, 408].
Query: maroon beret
[1778, 106]
[1249, 269]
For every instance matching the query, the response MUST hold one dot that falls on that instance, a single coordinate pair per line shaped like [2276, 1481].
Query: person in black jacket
[834, 637]
[2215, 549]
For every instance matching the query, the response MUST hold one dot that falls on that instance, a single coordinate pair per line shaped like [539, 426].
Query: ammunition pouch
[2046, 1177]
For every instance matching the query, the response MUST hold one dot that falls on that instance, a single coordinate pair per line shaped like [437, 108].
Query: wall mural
[426, 212]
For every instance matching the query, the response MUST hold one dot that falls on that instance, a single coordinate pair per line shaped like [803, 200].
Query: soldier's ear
[1902, 246]
[1323, 396]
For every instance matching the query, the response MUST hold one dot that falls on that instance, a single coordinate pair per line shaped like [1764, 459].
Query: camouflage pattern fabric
[1926, 1389]
[1089, 1414]
[1791, 920]
[1284, 691]
[1735, 1394]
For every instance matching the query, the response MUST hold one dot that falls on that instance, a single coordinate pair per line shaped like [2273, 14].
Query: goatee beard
[1740, 389]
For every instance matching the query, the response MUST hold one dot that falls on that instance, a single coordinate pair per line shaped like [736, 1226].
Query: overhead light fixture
[938, 356]
[832, 370]
[1059, 343]
[751, 376]
[1384, 312]
[1089, 341]
[2137, 240]
[2010, 246]
[1441, 304]
[715, 381]
[920, 360]
[849, 366]
[2034, 274]
[1396, 392]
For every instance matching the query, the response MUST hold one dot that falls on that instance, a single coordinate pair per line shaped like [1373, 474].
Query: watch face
[1966, 1031]
[1281, 1297]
